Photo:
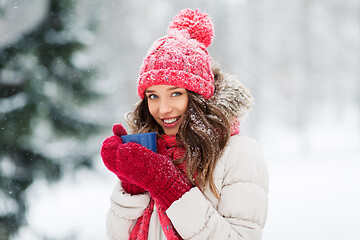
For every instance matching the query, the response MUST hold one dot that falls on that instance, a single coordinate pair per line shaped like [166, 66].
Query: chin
[171, 132]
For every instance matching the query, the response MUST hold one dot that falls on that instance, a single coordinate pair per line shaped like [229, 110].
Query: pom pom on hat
[181, 59]
[197, 24]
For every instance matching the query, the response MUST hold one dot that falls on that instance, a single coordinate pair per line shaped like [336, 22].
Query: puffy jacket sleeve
[124, 210]
[242, 210]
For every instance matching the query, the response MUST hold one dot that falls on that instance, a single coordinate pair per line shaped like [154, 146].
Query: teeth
[170, 120]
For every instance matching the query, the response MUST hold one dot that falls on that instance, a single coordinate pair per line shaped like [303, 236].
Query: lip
[171, 125]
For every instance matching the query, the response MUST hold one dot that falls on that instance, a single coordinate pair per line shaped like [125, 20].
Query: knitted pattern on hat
[181, 59]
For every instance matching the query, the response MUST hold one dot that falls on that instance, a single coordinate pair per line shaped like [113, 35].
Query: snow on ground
[314, 201]
[74, 208]
[314, 178]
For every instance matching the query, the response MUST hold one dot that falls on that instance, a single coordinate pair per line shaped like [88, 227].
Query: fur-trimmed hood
[232, 97]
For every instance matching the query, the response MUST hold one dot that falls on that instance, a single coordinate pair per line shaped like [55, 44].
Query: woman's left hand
[153, 172]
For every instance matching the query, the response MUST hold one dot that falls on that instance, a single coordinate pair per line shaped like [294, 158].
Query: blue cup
[147, 140]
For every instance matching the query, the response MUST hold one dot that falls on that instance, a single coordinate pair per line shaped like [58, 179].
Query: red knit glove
[153, 172]
[108, 154]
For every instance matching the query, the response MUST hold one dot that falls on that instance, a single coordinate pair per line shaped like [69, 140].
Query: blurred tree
[44, 86]
[2, 8]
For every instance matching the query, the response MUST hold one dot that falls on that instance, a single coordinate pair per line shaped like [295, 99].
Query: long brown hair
[204, 133]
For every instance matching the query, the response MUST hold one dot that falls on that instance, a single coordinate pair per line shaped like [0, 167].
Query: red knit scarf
[168, 146]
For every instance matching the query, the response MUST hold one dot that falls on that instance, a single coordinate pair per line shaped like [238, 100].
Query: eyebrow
[169, 89]
[149, 91]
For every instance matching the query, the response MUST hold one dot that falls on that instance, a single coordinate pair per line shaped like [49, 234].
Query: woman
[206, 181]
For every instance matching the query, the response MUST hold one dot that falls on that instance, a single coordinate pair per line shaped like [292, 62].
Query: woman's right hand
[110, 146]
[108, 154]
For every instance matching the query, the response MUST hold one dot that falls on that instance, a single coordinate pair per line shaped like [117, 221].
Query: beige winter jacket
[241, 177]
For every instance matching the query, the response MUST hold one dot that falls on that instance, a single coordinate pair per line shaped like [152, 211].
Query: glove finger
[108, 151]
[119, 130]
[131, 148]
[133, 159]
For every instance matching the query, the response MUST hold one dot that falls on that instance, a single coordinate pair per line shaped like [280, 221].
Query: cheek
[152, 109]
[184, 106]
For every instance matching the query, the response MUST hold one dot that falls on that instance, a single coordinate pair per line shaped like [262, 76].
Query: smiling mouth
[170, 120]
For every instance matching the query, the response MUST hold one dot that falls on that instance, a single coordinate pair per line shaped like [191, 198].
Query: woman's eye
[152, 96]
[175, 94]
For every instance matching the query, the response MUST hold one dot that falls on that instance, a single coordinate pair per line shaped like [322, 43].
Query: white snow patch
[75, 207]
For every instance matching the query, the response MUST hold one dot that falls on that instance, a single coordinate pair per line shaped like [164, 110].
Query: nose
[165, 107]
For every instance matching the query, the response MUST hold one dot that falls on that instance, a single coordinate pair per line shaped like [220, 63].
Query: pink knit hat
[181, 59]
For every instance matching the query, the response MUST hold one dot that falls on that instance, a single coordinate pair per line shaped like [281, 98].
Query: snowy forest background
[68, 72]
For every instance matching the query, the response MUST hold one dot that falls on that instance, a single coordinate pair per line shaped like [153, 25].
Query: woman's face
[167, 104]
